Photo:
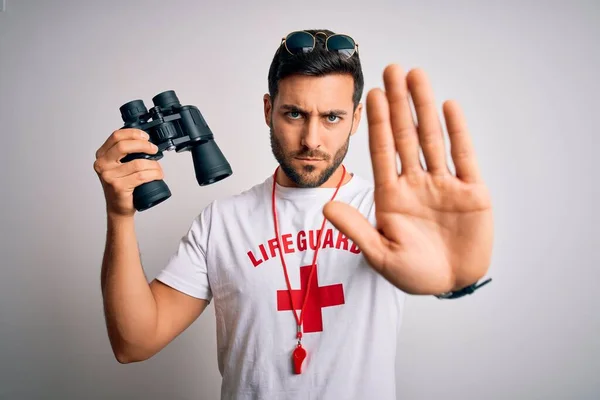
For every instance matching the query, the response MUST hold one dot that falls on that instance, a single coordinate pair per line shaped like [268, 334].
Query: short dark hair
[318, 62]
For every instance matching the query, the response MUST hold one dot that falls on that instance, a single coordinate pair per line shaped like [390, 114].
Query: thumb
[349, 221]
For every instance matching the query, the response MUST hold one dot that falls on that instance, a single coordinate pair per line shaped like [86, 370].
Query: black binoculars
[172, 126]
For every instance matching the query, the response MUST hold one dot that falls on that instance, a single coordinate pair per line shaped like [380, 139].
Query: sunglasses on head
[303, 42]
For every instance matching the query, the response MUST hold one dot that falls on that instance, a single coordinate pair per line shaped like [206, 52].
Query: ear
[356, 117]
[268, 108]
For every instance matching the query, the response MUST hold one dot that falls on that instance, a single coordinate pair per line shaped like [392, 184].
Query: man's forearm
[129, 306]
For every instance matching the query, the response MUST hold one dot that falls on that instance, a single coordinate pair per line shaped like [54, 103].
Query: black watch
[462, 292]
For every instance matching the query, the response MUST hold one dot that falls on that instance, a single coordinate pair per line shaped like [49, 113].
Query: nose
[310, 135]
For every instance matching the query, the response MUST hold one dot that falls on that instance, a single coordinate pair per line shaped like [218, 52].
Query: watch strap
[463, 292]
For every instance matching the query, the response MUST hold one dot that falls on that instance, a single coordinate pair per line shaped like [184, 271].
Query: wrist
[117, 220]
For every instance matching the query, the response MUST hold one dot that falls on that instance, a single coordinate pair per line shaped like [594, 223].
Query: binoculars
[172, 126]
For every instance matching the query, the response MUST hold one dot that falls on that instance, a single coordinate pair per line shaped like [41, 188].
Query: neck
[332, 182]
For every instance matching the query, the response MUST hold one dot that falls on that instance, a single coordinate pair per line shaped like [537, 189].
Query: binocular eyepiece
[172, 126]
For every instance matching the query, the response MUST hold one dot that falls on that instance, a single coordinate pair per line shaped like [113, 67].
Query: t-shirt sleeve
[187, 269]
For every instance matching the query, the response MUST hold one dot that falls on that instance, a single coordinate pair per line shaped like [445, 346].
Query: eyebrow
[291, 107]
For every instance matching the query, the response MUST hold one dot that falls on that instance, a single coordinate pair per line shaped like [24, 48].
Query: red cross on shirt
[319, 297]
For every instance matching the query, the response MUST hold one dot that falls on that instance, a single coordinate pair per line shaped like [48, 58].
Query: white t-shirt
[229, 256]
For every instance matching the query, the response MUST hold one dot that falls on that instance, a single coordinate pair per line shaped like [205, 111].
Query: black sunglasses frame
[354, 51]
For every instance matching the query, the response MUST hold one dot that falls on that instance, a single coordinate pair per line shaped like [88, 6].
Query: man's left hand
[434, 229]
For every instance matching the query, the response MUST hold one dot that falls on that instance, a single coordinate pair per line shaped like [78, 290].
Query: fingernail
[145, 135]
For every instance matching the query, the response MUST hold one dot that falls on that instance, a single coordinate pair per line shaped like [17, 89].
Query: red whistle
[298, 358]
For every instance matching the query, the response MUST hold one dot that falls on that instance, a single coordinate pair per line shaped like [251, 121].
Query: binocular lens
[166, 99]
[210, 164]
[132, 110]
[150, 194]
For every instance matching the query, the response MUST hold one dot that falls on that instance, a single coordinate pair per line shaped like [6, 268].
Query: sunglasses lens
[342, 44]
[299, 42]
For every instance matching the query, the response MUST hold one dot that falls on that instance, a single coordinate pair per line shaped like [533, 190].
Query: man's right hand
[119, 179]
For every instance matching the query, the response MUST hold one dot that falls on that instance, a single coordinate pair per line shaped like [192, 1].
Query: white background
[526, 74]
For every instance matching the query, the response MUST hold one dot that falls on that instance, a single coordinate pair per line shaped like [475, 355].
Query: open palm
[434, 229]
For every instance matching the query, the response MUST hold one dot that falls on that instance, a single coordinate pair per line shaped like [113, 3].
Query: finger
[403, 126]
[381, 139]
[128, 146]
[461, 147]
[118, 135]
[138, 178]
[349, 221]
[430, 130]
[130, 181]
[132, 167]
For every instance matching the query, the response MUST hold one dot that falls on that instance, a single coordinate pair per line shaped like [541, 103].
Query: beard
[305, 176]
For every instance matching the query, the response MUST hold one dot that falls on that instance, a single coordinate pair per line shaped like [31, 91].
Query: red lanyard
[299, 353]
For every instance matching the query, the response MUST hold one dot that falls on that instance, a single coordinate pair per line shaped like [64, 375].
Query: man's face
[311, 122]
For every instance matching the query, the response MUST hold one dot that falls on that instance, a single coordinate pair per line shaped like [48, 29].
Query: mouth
[308, 159]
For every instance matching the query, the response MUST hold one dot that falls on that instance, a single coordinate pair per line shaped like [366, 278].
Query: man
[308, 270]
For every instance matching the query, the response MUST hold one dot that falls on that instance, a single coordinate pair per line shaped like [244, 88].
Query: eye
[332, 118]
[294, 115]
